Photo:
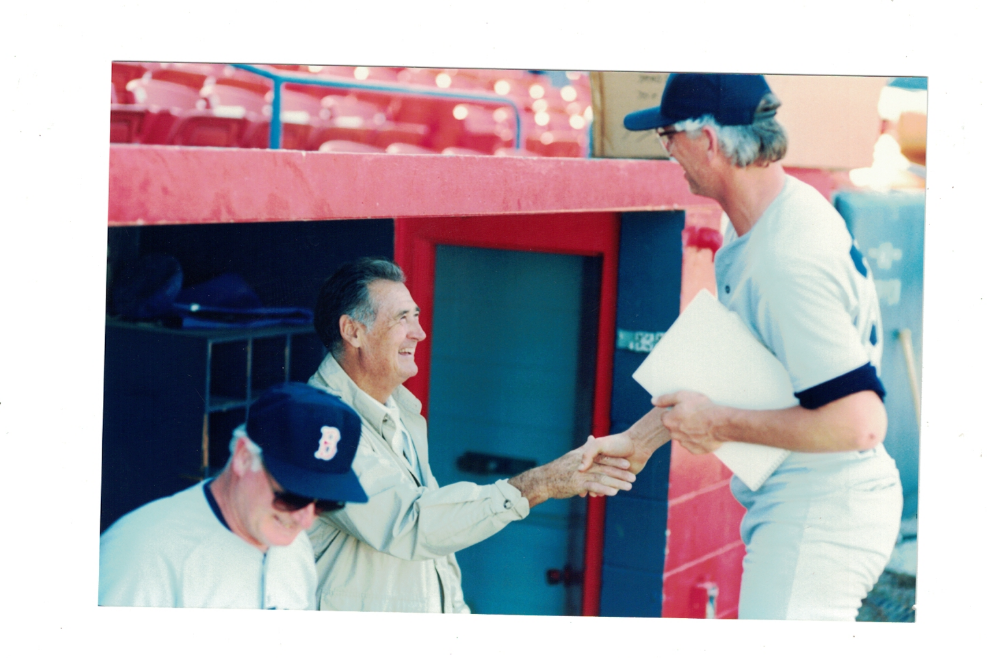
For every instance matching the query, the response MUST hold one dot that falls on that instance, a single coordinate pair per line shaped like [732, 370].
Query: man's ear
[351, 330]
[242, 459]
[712, 142]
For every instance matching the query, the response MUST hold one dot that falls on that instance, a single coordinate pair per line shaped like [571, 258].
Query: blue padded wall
[648, 291]
[889, 228]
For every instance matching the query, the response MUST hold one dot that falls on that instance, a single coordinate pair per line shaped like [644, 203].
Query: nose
[416, 330]
[304, 516]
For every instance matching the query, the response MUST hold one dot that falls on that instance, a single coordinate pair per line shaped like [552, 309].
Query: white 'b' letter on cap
[327, 444]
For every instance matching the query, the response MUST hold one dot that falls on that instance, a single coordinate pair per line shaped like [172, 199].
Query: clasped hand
[685, 416]
[689, 420]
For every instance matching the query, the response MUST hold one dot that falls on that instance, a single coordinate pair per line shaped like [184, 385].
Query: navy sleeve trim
[213, 504]
[863, 378]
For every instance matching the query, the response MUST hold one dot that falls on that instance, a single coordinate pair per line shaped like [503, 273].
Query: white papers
[709, 350]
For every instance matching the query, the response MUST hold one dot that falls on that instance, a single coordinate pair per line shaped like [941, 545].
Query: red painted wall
[181, 185]
[703, 517]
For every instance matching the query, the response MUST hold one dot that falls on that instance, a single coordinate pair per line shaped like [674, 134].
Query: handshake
[604, 466]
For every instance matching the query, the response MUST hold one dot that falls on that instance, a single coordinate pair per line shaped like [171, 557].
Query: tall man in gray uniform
[396, 553]
[821, 529]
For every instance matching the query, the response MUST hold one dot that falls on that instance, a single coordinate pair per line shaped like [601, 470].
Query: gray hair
[255, 450]
[760, 143]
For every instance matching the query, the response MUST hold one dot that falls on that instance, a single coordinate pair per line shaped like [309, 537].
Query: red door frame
[582, 234]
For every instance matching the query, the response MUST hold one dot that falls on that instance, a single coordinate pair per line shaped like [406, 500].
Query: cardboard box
[831, 121]
[615, 94]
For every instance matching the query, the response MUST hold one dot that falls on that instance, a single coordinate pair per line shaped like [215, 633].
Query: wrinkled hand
[563, 479]
[689, 420]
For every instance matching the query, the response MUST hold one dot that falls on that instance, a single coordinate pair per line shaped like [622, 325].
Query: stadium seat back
[126, 123]
[203, 128]
[164, 94]
[236, 93]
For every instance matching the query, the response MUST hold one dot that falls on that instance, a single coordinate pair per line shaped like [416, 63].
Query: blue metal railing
[279, 79]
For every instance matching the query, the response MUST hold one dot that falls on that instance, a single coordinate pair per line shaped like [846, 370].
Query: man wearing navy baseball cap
[237, 541]
[820, 530]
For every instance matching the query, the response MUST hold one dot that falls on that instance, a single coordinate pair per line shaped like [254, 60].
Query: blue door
[512, 368]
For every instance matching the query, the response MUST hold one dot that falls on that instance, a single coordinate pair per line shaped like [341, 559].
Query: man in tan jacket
[396, 552]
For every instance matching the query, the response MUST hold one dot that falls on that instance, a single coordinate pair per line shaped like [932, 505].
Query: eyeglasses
[664, 136]
[289, 502]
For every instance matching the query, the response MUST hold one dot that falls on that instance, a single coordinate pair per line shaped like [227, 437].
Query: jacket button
[508, 504]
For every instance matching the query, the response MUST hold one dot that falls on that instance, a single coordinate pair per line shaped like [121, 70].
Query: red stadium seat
[161, 102]
[231, 92]
[423, 110]
[177, 114]
[428, 111]
[380, 73]
[208, 128]
[568, 144]
[459, 150]
[351, 106]
[122, 73]
[166, 94]
[220, 105]
[332, 71]
[301, 115]
[400, 147]
[208, 69]
[556, 137]
[350, 119]
[345, 74]
[412, 134]
[246, 99]
[485, 129]
[418, 76]
[193, 79]
[344, 146]
[126, 123]
[347, 128]
[510, 151]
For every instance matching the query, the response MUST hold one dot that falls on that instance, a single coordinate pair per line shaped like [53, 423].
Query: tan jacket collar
[332, 377]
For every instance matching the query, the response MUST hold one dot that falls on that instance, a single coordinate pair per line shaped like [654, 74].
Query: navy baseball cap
[731, 98]
[308, 440]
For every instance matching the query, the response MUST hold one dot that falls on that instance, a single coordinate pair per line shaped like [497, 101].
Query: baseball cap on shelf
[308, 440]
[731, 98]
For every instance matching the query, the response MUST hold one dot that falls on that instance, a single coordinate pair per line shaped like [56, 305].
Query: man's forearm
[855, 422]
[636, 444]
[531, 485]
[647, 434]
[562, 478]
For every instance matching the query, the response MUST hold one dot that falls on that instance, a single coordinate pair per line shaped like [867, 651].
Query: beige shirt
[401, 441]
[395, 553]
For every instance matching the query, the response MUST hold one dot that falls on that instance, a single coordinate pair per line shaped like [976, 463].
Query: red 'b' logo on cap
[327, 444]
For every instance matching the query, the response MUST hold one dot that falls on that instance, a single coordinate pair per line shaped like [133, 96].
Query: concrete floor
[893, 597]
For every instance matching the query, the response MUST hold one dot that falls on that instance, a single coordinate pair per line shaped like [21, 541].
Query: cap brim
[344, 487]
[648, 119]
